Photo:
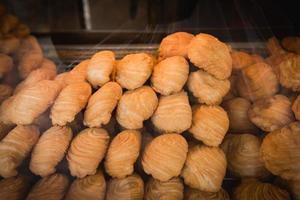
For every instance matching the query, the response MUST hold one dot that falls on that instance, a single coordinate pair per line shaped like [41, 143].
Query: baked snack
[5, 92]
[173, 113]
[170, 75]
[240, 60]
[204, 174]
[296, 108]
[164, 156]
[15, 147]
[77, 75]
[128, 188]
[271, 113]
[122, 153]
[175, 44]
[50, 150]
[194, 194]
[280, 151]
[243, 155]
[86, 151]
[91, 187]
[135, 106]
[9, 44]
[70, 101]
[51, 187]
[100, 67]
[169, 190]
[291, 44]
[213, 56]
[134, 70]
[14, 188]
[6, 64]
[257, 81]
[210, 124]
[5, 129]
[206, 88]
[101, 105]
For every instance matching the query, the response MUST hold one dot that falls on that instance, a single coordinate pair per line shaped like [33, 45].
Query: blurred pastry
[71, 100]
[9, 45]
[135, 106]
[101, 104]
[164, 156]
[86, 151]
[296, 108]
[206, 88]
[251, 189]
[280, 151]
[14, 188]
[175, 44]
[291, 44]
[122, 153]
[15, 147]
[213, 56]
[47, 71]
[271, 113]
[51, 187]
[194, 194]
[50, 150]
[257, 58]
[91, 187]
[257, 81]
[173, 113]
[5, 129]
[100, 67]
[274, 48]
[240, 60]
[5, 92]
[210, 124]
[170, 75]
[243, 155]
[237, 111]
[29, 103]
[21, 31]
[8, 23]
[128, 188]
[204, 168]
[6, 64]
[134, 70]
[169, 190]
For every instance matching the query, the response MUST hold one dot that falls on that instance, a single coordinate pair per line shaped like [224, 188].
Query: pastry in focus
[14, 188]
[194, 194]
[164, 156]
[122, 153]
[170, 75]
[86, 151]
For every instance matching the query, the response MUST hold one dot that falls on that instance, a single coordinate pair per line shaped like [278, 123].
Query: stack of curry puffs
[235, 113]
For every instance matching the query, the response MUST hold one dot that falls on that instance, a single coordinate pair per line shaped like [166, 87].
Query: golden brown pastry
[240, 60]
[21, 31]
[134, 70]
[164, 156]
[274, 47]
[86, 151]
[280, 151]
[206, 88]
[204, 168]
[169, 190]
[210, 124]
[257, 81]
[194, 194]
[9, 45]
[5, 92]
[271, 113]
[129, 188]
[170, 75]
[243, 155]
[101, 104]
[14, 188]
[15, 147]
[5, 129]
[71, 100]
[6, 64]
[91, 187]
[237, 111]
[29, 103]
[173, 113]
[122, 153]
[50, 150]
[8, 23]
[296, 108]
[289, 73]
[51, 187]
[251, 189]
[100, 67]
[291, 44]
[47, 71]
[175, 44]
[257, 58]
[135, 106]
[213, 56]
[29, 55]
